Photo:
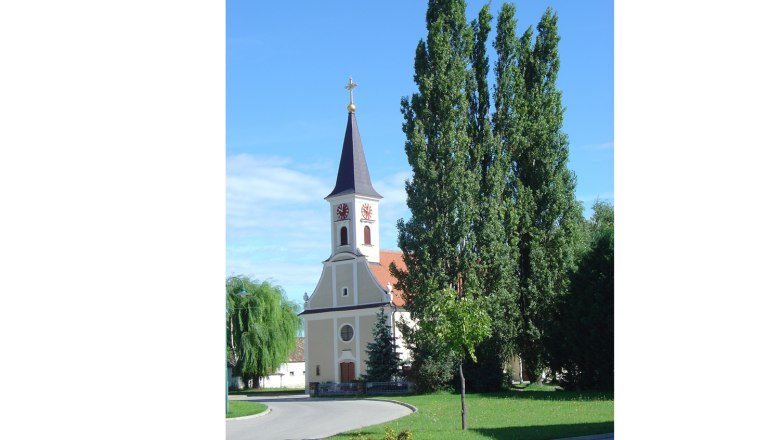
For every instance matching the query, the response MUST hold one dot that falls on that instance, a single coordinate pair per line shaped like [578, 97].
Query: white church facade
[356, 283]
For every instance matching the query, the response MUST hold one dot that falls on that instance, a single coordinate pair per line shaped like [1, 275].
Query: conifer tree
[383, 361]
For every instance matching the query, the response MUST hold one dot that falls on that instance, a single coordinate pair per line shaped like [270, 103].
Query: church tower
[356, 282]
[354, 202]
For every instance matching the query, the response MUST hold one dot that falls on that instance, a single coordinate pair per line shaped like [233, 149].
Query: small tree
[457, 323]
[383, 360]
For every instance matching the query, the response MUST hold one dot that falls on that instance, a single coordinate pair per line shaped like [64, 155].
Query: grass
[266, 391]
[530, 414]
[535, 387]
[239, 408]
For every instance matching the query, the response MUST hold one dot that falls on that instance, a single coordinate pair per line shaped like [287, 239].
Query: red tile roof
[382, 274]
[297, 354]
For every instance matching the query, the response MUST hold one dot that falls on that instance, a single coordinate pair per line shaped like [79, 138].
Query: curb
[267, 410]
[398, 402]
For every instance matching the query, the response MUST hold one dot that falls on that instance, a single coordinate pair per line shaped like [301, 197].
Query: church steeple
[353, 177]
[354, 201]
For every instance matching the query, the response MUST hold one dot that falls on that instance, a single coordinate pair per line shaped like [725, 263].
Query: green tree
[383, 360]
[491, 248]
[494, 214]
[433, 366]
[447, 134]
[581, 341]
[262, 326]
[543, 215]
[438, 241]
[457, 323]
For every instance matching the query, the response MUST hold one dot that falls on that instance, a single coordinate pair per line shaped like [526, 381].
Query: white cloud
[265, 194]
[274, 221]
[277, 224]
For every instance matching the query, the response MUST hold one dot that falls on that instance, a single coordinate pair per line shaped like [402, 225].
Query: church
[339, 316]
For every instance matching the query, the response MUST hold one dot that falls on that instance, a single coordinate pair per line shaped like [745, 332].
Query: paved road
[298, 417]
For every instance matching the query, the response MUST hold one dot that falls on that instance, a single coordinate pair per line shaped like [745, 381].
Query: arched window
[344, 241]
[366, 235]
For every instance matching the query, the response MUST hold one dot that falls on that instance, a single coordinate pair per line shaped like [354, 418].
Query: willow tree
[262, 327]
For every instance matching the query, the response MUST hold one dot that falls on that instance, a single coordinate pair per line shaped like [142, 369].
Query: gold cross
[349, 87]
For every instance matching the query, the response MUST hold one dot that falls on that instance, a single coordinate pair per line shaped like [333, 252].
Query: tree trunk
[462, 397]
[256, 381]
[540, 379]
[233, 344]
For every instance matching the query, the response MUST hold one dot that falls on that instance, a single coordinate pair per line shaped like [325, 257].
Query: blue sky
[286, 115]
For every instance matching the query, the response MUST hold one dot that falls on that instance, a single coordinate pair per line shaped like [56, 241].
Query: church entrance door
[347, 372]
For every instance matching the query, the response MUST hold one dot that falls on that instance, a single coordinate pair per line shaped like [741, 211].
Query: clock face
[366, 211]
[342, 211]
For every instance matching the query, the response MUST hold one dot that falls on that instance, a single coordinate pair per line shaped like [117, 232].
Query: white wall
[403, 350]
[289, 375]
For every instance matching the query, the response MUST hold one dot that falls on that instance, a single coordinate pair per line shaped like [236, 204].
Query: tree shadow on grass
[546, 432]
[551, 395]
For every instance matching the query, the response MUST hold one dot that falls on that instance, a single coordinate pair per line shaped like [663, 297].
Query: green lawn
[238, 408]
[266, 391]
[528, 414]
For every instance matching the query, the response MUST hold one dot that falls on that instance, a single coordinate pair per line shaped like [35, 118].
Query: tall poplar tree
[439, 240]
[494, 214]
[491, 249]
[542, 212]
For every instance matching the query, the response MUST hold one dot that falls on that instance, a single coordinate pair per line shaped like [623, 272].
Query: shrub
[405, 435]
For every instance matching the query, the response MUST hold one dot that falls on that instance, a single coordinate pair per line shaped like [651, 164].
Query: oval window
[347, 332]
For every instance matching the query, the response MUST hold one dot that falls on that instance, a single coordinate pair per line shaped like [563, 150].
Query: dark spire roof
[353, 175]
